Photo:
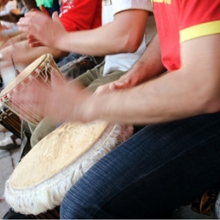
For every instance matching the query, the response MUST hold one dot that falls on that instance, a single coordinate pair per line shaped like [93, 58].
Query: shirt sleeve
[121, 5]
[198, 18]
[79, 14]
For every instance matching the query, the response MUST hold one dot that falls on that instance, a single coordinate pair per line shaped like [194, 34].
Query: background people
[72, 18]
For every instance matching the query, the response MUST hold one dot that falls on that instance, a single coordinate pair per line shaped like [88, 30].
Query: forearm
[88, 42]
[189, 91]
[33, 53]
[22, 36]
[118, 36]
[115, 37]
[23, 54]
[161, 100]
[149, 64]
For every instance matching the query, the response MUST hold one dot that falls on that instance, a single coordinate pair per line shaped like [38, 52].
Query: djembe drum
[42, 178]
[39, 71]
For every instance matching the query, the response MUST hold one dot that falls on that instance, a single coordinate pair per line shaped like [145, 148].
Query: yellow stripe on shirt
[200, 30]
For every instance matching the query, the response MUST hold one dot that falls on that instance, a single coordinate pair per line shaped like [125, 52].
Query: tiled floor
[8, 160]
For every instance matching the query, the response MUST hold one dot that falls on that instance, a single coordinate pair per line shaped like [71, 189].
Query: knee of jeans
[71, 208]
[79, 203]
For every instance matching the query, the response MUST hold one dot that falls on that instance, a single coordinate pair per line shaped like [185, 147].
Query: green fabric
[45, 3]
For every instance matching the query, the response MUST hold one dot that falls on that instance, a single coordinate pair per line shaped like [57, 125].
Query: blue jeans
[70, 57]
[158, 169]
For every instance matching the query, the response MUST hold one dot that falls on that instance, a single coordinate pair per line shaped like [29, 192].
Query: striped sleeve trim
[200, 30]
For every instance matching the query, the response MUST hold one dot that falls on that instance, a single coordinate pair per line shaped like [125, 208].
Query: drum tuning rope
[13, 63]
[12, 60]
[38, 73]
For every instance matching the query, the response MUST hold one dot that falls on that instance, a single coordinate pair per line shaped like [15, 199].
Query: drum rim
[105, 126]
[34, 201]
[24, 77]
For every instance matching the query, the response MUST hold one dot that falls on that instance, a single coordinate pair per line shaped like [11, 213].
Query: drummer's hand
[41, 29]
[44, 10]
[61, 102]
[34, 42]
[31, 39]
[127, 80]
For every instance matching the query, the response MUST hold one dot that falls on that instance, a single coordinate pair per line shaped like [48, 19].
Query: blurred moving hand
[41, 29]
[59, 100]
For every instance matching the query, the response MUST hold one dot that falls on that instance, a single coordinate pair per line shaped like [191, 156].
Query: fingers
[30, 21]
[44, 10]
[118, 84]
[23, 25]
[40, 28]
[35, 44]
[55, 16]
[33, 41]
[122, 83]
[34, 98]
[102, 89]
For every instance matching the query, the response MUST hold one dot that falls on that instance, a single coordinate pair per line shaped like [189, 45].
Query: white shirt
[124, 61]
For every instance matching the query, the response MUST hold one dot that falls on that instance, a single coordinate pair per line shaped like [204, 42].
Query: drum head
[41, 179]
[56, 152]
[37, 64]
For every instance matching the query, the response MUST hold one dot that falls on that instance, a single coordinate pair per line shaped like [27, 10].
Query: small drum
[42, 178]
[38, 70]
[10, 121]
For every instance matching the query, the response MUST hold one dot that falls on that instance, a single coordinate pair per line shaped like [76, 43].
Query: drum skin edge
[49, 194]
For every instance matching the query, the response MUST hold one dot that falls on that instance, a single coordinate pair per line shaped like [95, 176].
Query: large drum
[42, 178]
[39, 71]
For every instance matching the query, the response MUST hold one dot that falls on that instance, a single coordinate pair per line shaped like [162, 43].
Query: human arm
[23, 54]
[119, 36]
[189, 91]
[143, 70]
[12, 40]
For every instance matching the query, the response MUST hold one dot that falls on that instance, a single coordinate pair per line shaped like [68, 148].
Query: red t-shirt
[78, 15]
[181, 20]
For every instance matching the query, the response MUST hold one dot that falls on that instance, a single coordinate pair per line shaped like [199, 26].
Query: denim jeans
[70, 57]
[158, 169]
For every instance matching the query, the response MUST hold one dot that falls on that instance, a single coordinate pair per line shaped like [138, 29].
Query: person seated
[71, 18]
[119, 39]
[18, 51]
[6, 6]
[23, 6]
[116, 63]
[10, 37]
[175, 157]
